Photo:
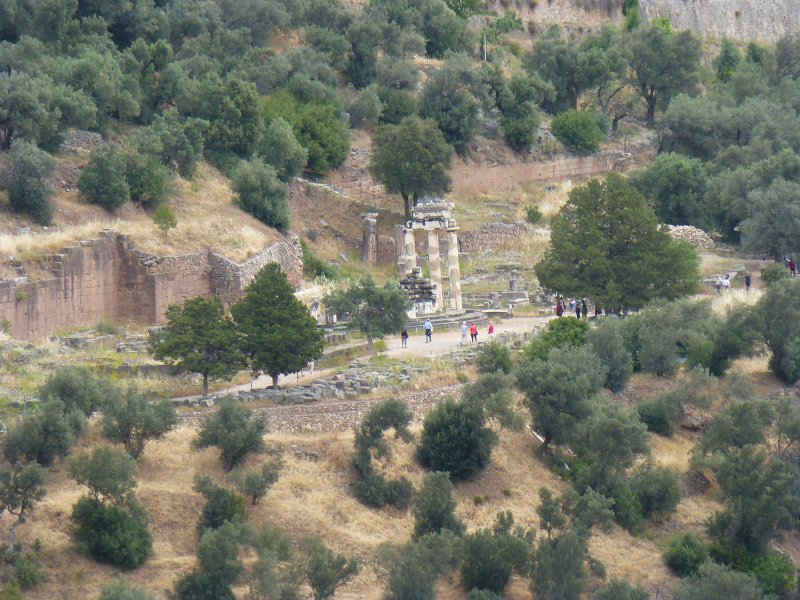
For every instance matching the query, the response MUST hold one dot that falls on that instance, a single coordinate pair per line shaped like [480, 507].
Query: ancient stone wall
[108, 278]
[765, 20]
[492, 178]
[493, 236]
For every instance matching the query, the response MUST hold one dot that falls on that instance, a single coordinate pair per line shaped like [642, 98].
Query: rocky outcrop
[696, 237]
[109, 278]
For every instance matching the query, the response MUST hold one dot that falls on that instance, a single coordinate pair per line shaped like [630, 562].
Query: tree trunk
[205, 384]
[12, 535]
[274, 380]
[407, 206]
[370, 345]
[651, 112]
[615, 121]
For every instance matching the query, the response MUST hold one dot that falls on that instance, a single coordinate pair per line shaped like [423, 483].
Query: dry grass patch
[635, 559]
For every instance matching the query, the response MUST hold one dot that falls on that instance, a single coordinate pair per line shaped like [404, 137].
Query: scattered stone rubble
[696, 237]
[347, 384]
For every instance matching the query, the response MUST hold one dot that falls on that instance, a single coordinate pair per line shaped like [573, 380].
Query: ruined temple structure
[432, 217]
[420, 291]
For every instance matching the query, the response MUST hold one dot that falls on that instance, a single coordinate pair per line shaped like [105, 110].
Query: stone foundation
[108, 278]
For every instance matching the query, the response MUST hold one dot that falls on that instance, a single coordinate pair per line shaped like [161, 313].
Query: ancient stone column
[369, 245]
[435, 265]
[454, 269]
[410, 248]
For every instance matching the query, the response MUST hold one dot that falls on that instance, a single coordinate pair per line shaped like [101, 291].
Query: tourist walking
[793, 267]
[559, 309]
[473, 333]
[578, 310]
[726, 283]
[718, 284]
[428, 331]
[747, 282]
[464, 332]
[585, 307]
[491, 329]
[404, 338]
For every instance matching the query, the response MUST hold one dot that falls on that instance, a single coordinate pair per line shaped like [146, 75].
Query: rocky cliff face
[764, 20]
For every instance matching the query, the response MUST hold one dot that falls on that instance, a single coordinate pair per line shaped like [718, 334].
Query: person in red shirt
[473, 333]
[491, 329]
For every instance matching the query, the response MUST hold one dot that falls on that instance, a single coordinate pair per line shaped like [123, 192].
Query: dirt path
[340, 415]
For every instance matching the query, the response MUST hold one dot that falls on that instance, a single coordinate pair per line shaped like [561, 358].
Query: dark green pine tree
[278, 335]
[200, 338]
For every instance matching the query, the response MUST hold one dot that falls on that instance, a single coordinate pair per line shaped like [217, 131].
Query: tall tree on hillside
[200, 338]
[411, 159]
[606, 244]
[663, 64]
[773, 227]
[373, 310]
[278, 335]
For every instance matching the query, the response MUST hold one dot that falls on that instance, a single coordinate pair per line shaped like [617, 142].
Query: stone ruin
[434, 218]
[420, 291]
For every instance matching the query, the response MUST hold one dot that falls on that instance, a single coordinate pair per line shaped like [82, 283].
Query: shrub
[776, 574]
[608, 342]
[256, 484]
[76, 388]
[414, 567]
[260, 193]
[41, 437]
[774, 272]
[655, 414]
[29, 189]
[234, 431]
[533, 215]
[148, 179]
[685, 554]
[366, 111]
[108, 474]
[222, 505]
[218, 567]
[397, 105]
[112, 535]
[491, 557]
[165, 219]
[578, 130]
[281, 149]
[658, 490]
[132, 421]
[314, 266]
[619, 589]
[11, 591]
[28, 569]
[121, 590]
[559, 332]
[494, 357]
[715, 582]
[325, 570]
[455, 439]
[558, 567]
[103, 181]
[434, 507]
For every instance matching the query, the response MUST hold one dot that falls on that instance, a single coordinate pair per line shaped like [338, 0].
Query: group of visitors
[725, 284]
[472, 330]
[579, 307]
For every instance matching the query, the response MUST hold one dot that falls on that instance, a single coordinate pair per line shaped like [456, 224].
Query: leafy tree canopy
[606, 244]
[278, 334]
[199, 338]
[374, 311]
[412, 159]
